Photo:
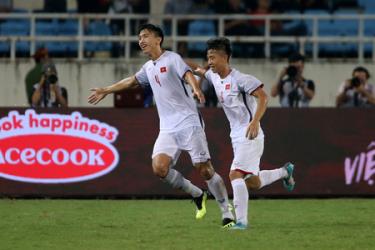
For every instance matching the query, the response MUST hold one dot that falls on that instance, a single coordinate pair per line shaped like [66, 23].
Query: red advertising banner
[106, 152]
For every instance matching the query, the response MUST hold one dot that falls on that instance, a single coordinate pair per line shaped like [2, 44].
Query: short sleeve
[249, 84]
[141, 76]
[180, 66]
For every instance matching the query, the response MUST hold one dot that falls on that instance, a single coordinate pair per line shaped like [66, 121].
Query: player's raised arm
[100, 93]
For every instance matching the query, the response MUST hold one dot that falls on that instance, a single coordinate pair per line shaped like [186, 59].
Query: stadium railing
[314, 38]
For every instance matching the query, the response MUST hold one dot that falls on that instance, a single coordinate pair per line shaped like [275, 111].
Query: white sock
[240, 200]
[176, 180]
[217, 188]
[270, 176]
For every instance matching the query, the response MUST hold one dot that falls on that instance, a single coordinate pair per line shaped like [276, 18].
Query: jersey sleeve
[249, 84]
[141, 77]
[180, 66]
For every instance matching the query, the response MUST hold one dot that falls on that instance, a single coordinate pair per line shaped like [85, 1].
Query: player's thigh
[247, 155]
[194, 141]
[166, 144]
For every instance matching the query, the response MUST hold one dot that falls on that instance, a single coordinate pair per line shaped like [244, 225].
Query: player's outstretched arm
[99, 94]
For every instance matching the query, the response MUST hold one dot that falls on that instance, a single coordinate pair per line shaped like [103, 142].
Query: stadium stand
[343, 26]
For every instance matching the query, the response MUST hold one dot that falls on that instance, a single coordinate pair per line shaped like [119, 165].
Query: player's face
[217, 60]
[148, 41]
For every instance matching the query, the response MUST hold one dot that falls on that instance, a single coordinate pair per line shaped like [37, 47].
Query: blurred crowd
[291, 87]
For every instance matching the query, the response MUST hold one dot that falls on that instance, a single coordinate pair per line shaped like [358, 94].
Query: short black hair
[362, 69]
[220, 43]
[154, 29]
[296, 57]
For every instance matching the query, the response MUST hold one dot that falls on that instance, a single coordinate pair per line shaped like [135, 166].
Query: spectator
[48, 93]
[6, 6]
[92, 6]
[239, 27]
[181, 7]
[200, 27]
[356, 92]
[141, 6]
[55, 6]
[34, 75]
[263, 8]
[292, 88]
[119, 7]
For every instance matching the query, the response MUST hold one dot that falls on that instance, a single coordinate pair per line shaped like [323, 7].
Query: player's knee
[160, 170]
[253, 183]
[205, 170]
[160, 165]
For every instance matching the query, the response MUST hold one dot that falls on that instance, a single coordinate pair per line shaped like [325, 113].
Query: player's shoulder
[171, 54]
[147, 64]
[210, 75]
[242, 77]
[209, 72]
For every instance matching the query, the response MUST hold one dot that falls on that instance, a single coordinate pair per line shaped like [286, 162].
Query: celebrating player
[181, 126]
[244, 102]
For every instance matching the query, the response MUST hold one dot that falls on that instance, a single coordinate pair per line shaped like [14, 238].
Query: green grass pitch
[170, 224]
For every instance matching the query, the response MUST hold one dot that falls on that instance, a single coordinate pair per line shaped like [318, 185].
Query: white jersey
[175, 104]
[239, 106]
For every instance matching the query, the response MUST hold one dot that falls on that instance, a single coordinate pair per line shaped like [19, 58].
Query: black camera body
[355, 82]
[292, 71]
[51, 79]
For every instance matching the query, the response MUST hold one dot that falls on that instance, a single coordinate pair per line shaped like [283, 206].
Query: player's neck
[225, 72]
[156, 53]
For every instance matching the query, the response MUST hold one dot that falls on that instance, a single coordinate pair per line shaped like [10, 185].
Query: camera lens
[52, 79]
[355, 82]
[292, 71]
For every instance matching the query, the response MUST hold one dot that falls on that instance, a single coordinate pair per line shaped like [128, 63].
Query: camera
[50, 73]
[51, 79]
[292, 71]
[355, 82]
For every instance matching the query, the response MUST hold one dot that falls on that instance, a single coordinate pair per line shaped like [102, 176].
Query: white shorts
[192, 139]
[247, 154]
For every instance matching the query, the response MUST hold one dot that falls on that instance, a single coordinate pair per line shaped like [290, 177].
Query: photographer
[292, 88]
[356, 92]
[48, 93]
